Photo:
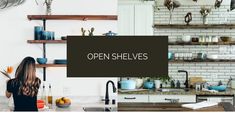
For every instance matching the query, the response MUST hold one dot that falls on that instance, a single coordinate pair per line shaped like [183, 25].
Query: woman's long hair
[26, 76]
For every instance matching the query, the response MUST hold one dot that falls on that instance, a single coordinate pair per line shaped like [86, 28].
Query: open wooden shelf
[195, 26]
[199, 43]
[72, 17]
[199, 61]
[47, 41]
[50, 65]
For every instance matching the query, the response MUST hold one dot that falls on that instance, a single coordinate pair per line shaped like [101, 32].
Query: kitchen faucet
[107, 91]
[186, 81]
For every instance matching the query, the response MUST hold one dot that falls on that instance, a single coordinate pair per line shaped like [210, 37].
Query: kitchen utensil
[198, 87]
[128, 84]
[218, 88]
[148, 85]
[205, 85]
[225, 38]
[110, 33]
[233, 83]
[139, 82]
[38, 32]
[60, 61]
[42, 60]
[186, 38]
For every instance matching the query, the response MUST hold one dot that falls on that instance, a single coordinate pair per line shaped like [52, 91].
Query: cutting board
[193, 80]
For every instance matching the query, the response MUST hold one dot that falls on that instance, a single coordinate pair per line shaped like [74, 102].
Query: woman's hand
[8, 94]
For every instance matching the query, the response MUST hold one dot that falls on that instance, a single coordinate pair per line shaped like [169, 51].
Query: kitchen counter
[229, 92]
[77, 107]
[170, 107]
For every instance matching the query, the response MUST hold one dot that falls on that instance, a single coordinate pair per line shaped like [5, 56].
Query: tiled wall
[213, 71]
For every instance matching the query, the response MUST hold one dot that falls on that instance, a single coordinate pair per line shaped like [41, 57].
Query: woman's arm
[8, 94]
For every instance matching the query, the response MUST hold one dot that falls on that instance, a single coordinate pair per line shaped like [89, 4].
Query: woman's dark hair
[26, 76]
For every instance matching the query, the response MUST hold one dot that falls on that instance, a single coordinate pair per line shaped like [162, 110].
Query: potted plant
[164, 80]
[7, 73]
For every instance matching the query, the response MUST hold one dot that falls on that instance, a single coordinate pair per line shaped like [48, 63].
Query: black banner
[117, 56]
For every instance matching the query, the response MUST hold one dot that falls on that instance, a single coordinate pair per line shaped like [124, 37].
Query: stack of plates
[60, 61]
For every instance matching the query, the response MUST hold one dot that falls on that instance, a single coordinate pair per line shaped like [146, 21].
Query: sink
[171, 90]
[99, 109]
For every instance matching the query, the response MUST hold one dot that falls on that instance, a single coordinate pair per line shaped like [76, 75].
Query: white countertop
[77, 107]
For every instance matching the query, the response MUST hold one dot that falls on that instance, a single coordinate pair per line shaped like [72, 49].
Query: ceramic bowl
[42, 60]
[66, 105]
[186, 38]
[218, 88]
[225, 38]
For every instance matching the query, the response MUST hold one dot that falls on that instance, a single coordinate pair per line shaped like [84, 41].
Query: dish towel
[200, 105]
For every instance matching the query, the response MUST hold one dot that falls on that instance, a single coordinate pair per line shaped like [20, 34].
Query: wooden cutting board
[193, 80]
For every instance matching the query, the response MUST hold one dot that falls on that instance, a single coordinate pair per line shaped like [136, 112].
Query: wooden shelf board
[194, 26]
[47, 41]
[50, 65]
[72, 17]
[204, 61]
[198, 43]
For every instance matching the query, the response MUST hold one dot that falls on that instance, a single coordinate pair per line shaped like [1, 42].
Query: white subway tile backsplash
[223, 70]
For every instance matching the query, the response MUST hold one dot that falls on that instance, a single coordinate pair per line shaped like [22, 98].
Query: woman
[24, 87]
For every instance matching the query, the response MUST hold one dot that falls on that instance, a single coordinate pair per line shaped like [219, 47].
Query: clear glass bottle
[43, 96]
[50, 97]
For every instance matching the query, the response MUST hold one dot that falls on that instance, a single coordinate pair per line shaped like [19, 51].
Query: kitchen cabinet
[135, 18]
[133, 98]
[224, 98]
[169, 98]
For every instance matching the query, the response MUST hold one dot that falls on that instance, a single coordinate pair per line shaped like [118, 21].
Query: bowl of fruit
[63, 102]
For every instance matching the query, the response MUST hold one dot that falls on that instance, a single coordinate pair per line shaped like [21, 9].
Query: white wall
[16, 29]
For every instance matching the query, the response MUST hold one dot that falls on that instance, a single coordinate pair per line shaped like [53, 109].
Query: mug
[38, 32]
